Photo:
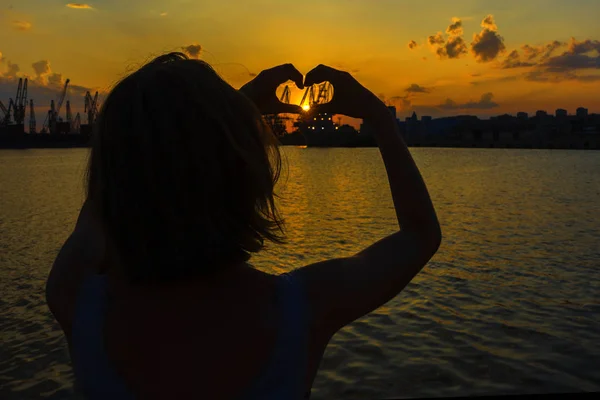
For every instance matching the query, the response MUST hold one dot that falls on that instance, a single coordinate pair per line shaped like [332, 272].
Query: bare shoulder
[344, 289]
[72, 264]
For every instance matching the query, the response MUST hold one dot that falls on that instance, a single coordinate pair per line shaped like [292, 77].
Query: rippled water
[509, 304]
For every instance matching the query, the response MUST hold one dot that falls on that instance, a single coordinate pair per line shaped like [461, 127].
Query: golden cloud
[80, 6]
[21, 25]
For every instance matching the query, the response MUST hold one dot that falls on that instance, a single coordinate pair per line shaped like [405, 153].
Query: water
[509, 304]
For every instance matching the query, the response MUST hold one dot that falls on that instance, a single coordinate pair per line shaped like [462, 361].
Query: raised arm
[344, 289]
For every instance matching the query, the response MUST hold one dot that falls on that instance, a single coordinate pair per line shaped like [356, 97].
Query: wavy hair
[183, 169]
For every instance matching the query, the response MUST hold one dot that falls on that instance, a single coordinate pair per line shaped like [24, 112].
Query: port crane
[275, 121]
[20, 103]
[323, 94]
[52, 117]
[91, 107]
[5, 118]
[76, 124]
[313, 95]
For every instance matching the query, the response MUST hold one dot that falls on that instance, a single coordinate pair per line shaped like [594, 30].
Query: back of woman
[154, 289]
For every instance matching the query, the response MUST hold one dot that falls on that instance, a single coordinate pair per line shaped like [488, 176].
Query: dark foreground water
[509, 304]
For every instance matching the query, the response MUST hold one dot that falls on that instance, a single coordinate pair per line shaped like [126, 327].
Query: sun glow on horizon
[306, 107]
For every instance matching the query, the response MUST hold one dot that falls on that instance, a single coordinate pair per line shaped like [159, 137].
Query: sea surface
[509, 304]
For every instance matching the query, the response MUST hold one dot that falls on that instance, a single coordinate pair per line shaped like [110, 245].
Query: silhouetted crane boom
[23, 103]
[285, 96]
[4, 110]
[91, 107]
[62, 97]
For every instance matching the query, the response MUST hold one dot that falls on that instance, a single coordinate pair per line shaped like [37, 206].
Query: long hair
[183, 169]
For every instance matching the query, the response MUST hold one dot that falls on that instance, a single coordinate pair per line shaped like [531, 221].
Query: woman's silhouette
[153, 288]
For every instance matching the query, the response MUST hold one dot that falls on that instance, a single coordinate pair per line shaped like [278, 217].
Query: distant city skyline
[475, 57]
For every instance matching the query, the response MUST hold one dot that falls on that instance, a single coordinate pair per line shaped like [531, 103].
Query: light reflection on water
[509, 304]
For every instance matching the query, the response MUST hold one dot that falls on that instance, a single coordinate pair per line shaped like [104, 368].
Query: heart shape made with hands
[320, 93]
[281, 90]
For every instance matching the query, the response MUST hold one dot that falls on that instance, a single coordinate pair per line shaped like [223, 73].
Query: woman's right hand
[349, 97]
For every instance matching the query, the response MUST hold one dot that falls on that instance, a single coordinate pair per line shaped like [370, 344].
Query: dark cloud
[570, 61]
[42, 70]
[11, 70]
[412, 45]
[192, 50]
[586, 46]
[488, 23]
[513, 60]
[487, 44]
[545, 76]
[484, 103]
[455, 28]
[454, 46]
[55, 79]
[579, 56]
[544, 51]
[436, 39]
[414, 88]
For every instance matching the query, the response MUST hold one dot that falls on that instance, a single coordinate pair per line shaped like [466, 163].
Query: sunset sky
[438, 58]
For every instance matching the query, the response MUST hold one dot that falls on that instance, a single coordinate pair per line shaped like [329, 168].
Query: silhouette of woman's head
[182, 170]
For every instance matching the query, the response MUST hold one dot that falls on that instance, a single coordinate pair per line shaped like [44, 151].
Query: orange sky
[438, 58]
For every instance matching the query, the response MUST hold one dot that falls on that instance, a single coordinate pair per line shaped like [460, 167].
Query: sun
[306, 107]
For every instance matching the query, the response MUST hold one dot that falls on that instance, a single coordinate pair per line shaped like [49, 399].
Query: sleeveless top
[283, 377]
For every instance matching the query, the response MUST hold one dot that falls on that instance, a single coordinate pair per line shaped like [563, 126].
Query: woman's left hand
[261, 90]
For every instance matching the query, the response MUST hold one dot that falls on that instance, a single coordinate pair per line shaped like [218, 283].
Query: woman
[153, 289]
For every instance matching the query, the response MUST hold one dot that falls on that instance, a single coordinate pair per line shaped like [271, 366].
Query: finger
[321, 73]
[286, 72]
[294, 75]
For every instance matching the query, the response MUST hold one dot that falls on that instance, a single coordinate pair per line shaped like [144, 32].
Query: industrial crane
[7, 112]
[324, 94]
[313, 95]
[91, 107]
[5, 117]
[20, 104]
[52, 117]
[275, 121]
[62, 97]
[32, 124]
[76, 124]
[285, 96]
